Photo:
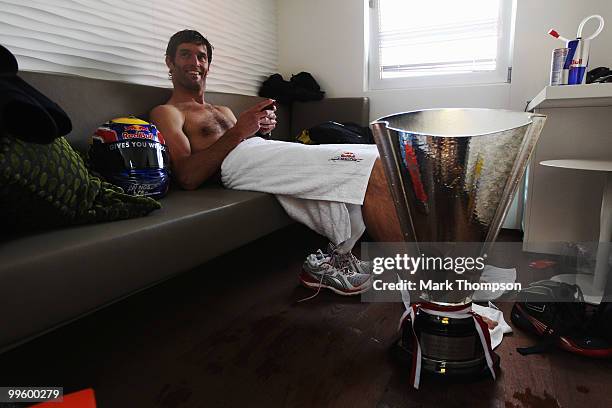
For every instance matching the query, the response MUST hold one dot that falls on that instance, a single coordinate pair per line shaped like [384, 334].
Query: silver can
[558, 73]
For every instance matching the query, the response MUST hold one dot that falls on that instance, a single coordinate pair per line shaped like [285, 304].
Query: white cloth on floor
[314, 184]
[493, 274]
[497, 333]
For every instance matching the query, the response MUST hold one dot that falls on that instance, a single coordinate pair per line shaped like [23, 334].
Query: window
[439, 42]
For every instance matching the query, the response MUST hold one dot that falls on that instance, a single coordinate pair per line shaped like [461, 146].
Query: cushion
[45, 186]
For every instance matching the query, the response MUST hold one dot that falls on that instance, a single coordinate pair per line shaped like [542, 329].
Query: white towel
[493, 313]
[493, 274]
[312, 183]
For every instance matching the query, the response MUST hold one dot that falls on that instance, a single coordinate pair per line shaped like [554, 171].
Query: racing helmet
[131, 154]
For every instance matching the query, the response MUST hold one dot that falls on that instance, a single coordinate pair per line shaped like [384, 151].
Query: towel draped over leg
[314, 184]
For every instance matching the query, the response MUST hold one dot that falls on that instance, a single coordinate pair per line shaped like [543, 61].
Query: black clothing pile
[24, 111]
[302, 87]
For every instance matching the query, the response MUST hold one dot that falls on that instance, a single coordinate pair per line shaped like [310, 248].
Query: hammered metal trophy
[452, 175]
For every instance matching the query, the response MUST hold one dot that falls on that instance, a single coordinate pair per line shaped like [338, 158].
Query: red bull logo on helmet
[112, 132]
[138, 132]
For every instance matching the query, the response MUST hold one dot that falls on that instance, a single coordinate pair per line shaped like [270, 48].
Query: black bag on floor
[337, 133]
[556, 312]
[602, 321]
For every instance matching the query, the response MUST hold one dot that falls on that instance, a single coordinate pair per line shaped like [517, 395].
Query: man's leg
[378, 209]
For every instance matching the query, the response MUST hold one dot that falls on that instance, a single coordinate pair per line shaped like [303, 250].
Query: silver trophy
[452, 174]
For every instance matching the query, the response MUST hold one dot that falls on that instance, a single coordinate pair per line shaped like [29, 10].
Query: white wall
[126, 40]
[327, 38]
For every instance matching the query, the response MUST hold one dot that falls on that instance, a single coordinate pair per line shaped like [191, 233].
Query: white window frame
[500, 75]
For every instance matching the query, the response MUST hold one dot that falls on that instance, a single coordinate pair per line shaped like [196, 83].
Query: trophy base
[466, 370]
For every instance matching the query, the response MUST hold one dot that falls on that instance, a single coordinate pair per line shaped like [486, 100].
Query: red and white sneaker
[339, 273]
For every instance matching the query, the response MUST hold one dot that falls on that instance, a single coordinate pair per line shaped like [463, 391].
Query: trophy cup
[452, 175]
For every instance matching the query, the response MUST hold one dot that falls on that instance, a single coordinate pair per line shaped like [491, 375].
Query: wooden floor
[231, 334]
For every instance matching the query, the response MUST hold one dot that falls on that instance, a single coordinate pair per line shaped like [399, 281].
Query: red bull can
[558, 74]
[578, 57]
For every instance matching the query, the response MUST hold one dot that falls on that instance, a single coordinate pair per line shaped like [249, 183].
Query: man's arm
[192, 169]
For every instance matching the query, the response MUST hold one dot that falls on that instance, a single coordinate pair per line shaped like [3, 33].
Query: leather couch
[51, 278]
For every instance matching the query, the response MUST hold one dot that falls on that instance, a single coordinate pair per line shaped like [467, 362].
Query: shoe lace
[316, 293]
[347, 264]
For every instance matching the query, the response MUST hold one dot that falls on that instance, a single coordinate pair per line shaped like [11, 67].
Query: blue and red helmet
[131, 154]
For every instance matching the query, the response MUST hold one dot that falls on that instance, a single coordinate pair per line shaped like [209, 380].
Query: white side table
[577, 127]
[593, 285]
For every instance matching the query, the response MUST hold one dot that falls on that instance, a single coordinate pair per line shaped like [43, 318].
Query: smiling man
[332, 189]
[199, 134]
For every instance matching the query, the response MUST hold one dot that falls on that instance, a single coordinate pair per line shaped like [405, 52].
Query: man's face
[190, 65]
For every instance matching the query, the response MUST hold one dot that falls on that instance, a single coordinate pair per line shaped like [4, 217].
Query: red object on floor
[80, 399]
[542, 264]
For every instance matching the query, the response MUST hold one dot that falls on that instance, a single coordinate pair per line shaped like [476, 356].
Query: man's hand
[254, 119]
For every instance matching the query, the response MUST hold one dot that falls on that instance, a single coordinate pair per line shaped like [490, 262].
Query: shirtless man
[200, 135]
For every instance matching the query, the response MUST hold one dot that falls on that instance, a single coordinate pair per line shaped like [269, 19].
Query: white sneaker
[341, 273]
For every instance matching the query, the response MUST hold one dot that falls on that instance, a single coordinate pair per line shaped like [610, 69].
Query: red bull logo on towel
[346, 156]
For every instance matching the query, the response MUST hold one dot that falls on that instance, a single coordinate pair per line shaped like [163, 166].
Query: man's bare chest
[204, 127]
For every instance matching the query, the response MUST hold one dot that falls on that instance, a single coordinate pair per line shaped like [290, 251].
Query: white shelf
[565, 96]
[590, 165]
